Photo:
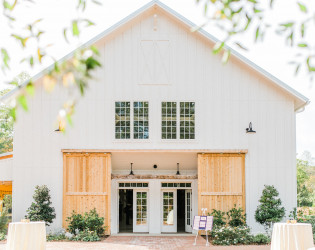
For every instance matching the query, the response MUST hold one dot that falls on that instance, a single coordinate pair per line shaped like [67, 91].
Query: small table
[26, 236]
[287, 236]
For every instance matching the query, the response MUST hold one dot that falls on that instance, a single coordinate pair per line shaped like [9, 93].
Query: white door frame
[188, 206]
[169, 228]
[155, 200]
[140, 228]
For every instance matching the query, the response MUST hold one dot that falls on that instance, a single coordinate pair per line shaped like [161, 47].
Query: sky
[271, 54]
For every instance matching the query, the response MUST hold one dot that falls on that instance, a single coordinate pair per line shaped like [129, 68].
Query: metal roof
[304, 100]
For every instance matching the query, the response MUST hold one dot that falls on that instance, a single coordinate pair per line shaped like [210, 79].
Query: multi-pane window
[141, 208]
[168, 208]
[122, 120]
[184, 113]
[141, 120]
[169, 117]
[134, 184]
[178, 185]
[188, 208]
[126, 115]
[187, 120]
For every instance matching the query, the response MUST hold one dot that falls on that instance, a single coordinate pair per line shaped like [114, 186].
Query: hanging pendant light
[177, 169]
[131, 172]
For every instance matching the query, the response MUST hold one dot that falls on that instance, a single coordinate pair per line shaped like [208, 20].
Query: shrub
[219, 219]
[261, 239]
[86, 235]
[76, 222]
[55, 237]
[7, 202]
[41, 209]
[3, 236]
[231, 235]
[4, 222]
[269, 210]
[89, 221]
[236, 217]
[293, 214]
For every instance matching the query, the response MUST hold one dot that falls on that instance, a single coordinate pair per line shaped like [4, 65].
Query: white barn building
[162, 100]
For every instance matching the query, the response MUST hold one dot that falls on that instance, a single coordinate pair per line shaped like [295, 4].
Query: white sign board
[203, 223]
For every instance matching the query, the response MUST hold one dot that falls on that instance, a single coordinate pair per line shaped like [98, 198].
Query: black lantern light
[177, 169]
[131, 172]
[250, 130]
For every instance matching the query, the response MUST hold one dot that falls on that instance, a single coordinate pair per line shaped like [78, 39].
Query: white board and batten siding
[178, 66]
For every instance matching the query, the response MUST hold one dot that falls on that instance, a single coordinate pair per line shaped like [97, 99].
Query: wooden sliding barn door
[221, 181]
[87, 184]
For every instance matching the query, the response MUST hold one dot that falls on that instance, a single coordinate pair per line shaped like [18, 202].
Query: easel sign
[203, 222]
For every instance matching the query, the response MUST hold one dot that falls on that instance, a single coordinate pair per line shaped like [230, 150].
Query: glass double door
[133, 211]
[176, 211]
[140, 211]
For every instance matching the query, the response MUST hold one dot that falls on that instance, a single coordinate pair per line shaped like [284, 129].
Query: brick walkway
[142, 243]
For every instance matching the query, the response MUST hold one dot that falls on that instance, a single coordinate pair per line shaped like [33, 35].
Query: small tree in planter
[269, 210]
[41, 209]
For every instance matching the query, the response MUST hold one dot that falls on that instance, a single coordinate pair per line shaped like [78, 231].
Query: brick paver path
[142, 243]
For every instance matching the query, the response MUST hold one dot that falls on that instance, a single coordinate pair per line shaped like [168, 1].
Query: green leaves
[30, 89]
[92, 63]
[302, 45]
[75, 28]
[269, 209]
[5, 59]
[22, 101]
[22, 40]
[302, 7]
[9, 6]
[302, 29]
[257, 33]
[95, 50]
[41, 209]
[287, 25]
[218, 47]
[310, 66]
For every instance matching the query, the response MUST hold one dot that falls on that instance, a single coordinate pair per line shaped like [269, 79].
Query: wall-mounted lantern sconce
[250, 130]
[131, 172]
[154, 166]
[177, 169]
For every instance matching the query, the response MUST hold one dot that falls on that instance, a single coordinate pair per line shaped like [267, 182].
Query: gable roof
[300, 100]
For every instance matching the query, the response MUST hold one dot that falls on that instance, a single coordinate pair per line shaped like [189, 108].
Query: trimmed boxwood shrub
[261, 239]
[89, 221]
